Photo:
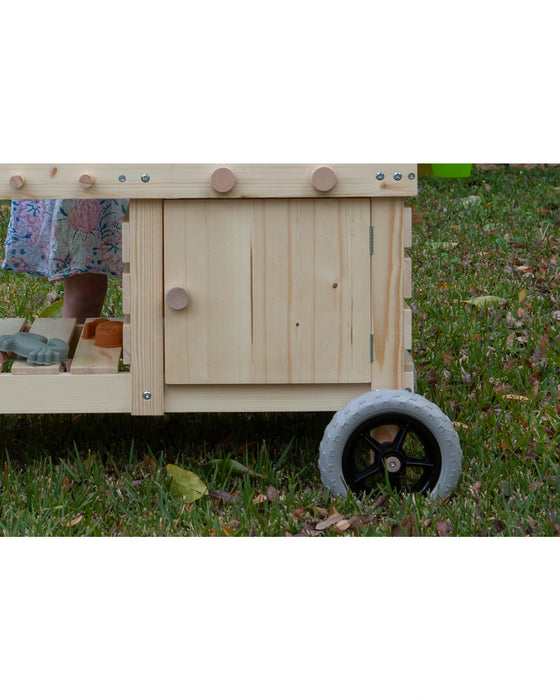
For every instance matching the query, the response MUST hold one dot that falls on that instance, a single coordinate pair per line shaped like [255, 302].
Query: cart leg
[146, 306]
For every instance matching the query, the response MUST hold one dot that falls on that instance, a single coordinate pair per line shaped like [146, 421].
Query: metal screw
[122, 178]
[411, 176]
[147, 395]
[380, 176]
[145, 178]
[397, 176]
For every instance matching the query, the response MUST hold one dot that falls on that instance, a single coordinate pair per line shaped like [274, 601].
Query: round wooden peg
[222, 179]
[323, 178]
[17, 182]
[177, 298]
[86, 180]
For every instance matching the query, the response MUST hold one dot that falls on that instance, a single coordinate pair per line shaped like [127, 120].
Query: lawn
[486, 323]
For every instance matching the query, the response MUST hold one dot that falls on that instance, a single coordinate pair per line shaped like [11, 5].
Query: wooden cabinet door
[279, 291]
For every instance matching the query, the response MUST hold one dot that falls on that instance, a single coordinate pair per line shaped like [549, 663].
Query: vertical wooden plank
[407, 233]
[207, 251]
[126, 290]
[407, 327]
[146, 306]
[407, 276]
[387, 217]
[311, 305]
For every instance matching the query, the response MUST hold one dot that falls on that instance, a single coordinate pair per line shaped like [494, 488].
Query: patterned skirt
[57, 238]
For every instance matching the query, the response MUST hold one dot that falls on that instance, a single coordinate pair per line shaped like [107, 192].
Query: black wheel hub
[395, 449]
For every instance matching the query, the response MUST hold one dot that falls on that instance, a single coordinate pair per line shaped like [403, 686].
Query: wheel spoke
[400, 437]
[371, 442]
[420, 463]
[372, 470]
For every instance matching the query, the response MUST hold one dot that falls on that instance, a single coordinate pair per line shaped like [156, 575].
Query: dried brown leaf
[342, 525]
[444, 528]
[298, 513]
[331, 520]
[272, 493]
[73, 522]
[381, 500]
[223, 496]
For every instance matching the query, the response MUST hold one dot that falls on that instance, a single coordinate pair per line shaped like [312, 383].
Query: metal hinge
[371, 347]
[371, 240]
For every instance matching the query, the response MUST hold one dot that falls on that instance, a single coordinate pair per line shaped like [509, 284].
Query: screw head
[145, 178]
[411, 176]
[380, 176]
[397, 176]
[147, 395]
[122, 178]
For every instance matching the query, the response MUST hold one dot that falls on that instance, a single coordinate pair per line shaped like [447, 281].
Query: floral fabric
[56, 238]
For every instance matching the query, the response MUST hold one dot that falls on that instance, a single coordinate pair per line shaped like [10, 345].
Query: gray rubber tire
[373, 405]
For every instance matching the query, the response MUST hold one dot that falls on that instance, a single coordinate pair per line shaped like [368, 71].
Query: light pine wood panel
[90, 359]
[192, 180]
[279, 291]
[388, 293]
[146, 312]
[260, 397]
[65, 393]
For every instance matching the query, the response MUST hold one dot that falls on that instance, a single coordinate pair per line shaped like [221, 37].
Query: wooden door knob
[177, 298]
[86, 180]
[323, 178]
[17, 181]
[222, 179]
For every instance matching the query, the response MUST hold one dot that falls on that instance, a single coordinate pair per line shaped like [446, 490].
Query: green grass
[494, 370]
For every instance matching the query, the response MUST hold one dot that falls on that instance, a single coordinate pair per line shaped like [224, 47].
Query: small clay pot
[107, 334]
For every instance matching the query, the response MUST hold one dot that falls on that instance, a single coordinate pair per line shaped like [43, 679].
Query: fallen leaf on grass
[516, 397]
[186, 483]
[223, 496]
[488, 300]
[260, 498]
[534, 485]
[444, 528]
[381, 500]
[272, 493]
[234, 466]
[405, 528]
[331, 520]
[74, 522]
[342, 525]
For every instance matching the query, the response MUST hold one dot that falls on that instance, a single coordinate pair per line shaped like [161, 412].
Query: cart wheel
[390, 436]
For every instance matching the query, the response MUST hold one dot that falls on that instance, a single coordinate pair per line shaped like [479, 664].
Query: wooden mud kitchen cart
[254, 288]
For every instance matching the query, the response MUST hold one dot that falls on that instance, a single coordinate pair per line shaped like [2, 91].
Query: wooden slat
[193, 181]
[407, 327]
[126, 343]
[407, 277]
[387, 294]
[89, 359]
[9, 326]
[146, 313]
[260, 397]
[62, 328]
[65, 393]
[126, 290]
[409, 378]
[407, 230]
[125, 241]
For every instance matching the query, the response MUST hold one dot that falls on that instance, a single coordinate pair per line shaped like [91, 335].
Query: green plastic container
[451, 169]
